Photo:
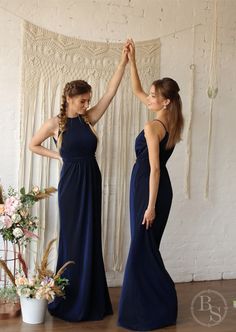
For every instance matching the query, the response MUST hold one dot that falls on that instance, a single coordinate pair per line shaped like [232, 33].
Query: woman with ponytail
[148, 299]
[79, 198]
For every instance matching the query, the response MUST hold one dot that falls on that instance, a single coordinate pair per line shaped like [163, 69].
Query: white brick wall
[199, 241]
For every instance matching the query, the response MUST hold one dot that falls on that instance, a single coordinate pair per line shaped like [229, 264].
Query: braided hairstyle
[169, 89]
[71, 89]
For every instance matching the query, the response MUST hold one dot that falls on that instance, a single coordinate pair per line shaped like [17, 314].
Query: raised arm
[96, 112]
[136, 84]
[48, 129]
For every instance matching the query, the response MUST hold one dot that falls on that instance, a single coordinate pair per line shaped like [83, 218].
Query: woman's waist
[78, 158]
[145, 159]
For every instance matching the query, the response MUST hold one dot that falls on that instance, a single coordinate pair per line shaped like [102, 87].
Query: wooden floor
[186, 322]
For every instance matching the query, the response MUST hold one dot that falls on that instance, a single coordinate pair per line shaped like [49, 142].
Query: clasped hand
[128, 52]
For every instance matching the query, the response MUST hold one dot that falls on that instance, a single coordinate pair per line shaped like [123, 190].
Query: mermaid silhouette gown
[79, 198]
[148, 298]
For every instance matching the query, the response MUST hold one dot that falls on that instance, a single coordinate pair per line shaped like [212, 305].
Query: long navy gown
[79, 198]
[148, 298]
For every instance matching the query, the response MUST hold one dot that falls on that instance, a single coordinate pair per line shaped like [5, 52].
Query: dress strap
[58, 133]
[55, 140]
[162, 124]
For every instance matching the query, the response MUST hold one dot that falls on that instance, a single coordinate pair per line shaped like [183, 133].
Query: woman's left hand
[149, 217]
[124, 54]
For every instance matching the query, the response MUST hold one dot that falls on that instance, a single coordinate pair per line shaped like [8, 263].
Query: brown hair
[71, 89]
[169, 89]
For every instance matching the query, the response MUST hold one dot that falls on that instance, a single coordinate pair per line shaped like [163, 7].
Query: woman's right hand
[135, 81]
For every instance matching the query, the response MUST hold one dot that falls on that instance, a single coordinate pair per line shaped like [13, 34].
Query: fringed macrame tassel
[212, 93]
[189, 136]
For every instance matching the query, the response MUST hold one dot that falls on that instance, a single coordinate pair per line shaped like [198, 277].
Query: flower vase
[33, 310]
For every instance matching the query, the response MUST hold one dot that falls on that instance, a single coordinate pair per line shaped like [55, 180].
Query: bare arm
[153, 135]
[136, 84]
[48, 129]
[96, 112]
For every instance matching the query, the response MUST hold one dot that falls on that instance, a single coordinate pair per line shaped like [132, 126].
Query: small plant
[43, 283]
[8, 295]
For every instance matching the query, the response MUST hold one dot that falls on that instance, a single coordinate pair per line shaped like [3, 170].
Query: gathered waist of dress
[78, 158]
[146, 158]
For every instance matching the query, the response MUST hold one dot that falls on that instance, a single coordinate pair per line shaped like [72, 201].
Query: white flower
[39, 294]
[45, 293]
[18, 232]
[26, 292]
[16, 217]
[35, 189]
[2, 222]
[31, 281]
[50, 295]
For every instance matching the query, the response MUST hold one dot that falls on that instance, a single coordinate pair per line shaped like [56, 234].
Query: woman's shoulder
[155, 125]
[52, 124]
[54, 121]
[155, 128]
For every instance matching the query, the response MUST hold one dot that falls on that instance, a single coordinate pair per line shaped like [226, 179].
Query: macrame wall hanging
[192, 68]
[211, 92]
[49, 60]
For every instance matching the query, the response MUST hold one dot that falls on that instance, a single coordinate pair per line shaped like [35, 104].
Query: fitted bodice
[78, 140]
[141, 148]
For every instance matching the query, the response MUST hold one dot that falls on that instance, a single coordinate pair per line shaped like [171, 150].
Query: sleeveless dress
[148, 297]
[79, 198]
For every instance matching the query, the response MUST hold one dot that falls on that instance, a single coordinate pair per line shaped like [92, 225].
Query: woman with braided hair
[79, 198]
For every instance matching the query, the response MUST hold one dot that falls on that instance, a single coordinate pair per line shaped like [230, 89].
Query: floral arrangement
[17, 225]
[43, 284]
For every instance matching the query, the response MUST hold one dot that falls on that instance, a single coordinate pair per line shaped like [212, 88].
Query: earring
[164, 107]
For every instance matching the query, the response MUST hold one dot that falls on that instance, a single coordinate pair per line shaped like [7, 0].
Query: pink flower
[30, 234]
[11, 205]
[47, 281]
[21, 281]
[7, 221]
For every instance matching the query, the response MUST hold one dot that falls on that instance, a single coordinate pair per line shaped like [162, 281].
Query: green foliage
[8, 295]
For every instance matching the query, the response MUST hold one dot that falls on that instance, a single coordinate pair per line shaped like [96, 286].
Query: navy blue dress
[79, 198]
[148, 298]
